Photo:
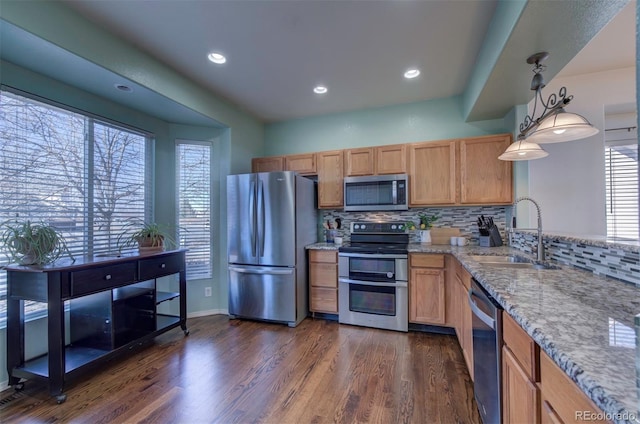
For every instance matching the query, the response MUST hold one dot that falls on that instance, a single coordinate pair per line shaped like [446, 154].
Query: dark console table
[115, 305]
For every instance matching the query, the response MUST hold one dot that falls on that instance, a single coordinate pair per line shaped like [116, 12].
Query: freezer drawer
[266, 293]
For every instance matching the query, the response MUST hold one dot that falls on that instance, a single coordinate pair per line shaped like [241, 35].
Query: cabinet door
[450, 293]
[304, 164]
[270, 164]
[562, 395]
[426, 296]
[484, 179]
[359, 162]
[330, 179]
[391, 159]
[432, 173]
[466, 328]
[521, 397]
[323, 281]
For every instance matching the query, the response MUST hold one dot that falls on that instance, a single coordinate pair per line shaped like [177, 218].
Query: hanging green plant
[31, 243]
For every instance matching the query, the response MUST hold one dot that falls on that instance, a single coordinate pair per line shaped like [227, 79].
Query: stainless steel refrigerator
[271, 218]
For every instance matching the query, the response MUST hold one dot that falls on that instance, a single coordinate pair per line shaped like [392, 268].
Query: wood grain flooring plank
[238, 371]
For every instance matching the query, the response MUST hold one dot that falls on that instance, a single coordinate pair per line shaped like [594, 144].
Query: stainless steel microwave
[376, 193]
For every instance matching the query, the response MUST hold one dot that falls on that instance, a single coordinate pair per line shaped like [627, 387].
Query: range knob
[362, 226]
[393, 226]
[356, 226]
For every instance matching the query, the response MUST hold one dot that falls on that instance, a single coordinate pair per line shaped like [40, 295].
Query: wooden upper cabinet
[330, 179]
[304, 164]
[268, 164]
[391, 159]
[432, 173]
[359, 162]
[484, 179]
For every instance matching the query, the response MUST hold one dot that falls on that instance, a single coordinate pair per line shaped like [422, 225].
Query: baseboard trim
[207, 313]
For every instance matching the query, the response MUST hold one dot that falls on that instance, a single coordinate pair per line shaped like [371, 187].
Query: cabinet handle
[107, 277]
[163, 266]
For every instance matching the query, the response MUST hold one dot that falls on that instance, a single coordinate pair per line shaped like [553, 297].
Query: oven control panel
[377, 227]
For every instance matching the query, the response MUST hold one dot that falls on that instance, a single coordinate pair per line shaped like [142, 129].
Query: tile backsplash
[464, 218]
[621, 264]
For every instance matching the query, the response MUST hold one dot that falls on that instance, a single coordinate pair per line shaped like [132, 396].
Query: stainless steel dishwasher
[487, 349]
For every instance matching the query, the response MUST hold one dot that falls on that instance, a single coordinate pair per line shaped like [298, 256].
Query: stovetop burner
[377, 238]
[375, 248]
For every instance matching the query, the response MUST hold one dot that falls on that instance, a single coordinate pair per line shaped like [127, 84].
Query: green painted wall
[422, 121]
[504, 20]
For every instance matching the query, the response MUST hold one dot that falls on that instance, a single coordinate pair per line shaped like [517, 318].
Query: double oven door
[373, 290]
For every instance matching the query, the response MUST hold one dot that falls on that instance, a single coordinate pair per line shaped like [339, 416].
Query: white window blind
[194, 206]
[621, 161]
[84, 175]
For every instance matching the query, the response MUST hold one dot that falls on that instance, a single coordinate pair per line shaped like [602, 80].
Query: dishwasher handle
[478, 312]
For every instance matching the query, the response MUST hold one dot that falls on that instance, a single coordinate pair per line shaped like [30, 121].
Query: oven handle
[372, 283]
[479, 313]
[372, 255]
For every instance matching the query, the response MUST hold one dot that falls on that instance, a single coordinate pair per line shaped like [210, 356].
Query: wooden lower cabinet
[465, 337]
[562, 400]
[534, 389]
[323, 281]
[427, 289]
[521, 397]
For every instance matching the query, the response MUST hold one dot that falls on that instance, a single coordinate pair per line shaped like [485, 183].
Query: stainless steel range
[373, 275]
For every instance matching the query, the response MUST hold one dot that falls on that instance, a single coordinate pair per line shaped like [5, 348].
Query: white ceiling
[613, 48]
[278, 51]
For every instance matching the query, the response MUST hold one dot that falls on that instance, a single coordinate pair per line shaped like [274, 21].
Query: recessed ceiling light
[123, 87]
[217, 58]
[412, 73]
[321, 89]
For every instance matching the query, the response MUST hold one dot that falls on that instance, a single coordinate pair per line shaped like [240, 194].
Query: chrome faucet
[541, 255]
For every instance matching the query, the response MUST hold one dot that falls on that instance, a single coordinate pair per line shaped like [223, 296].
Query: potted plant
[149, 237]
[426, 222]
[30, 243]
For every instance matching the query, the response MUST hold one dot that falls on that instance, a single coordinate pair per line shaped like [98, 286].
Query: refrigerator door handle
[267, 271]
[252, 216]
[261, 218]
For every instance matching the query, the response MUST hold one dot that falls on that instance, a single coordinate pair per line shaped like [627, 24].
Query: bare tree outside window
[82, 175]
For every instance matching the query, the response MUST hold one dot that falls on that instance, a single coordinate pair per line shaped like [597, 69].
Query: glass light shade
[562, 126]
[523, 150]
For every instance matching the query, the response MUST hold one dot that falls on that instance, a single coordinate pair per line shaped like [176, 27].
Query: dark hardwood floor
[250, 372]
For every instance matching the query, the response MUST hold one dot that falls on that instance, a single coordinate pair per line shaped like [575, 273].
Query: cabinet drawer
[324, 300]
[328, 256]
[525, 350]
[323, 275]
[427, 261]
[562, 395]
[156, 267]
[97, 279]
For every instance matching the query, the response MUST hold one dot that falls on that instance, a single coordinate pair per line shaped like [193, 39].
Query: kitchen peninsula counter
[583, 321]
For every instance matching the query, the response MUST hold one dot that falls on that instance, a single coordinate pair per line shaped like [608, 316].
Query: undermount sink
[510, 261]
[499, 259]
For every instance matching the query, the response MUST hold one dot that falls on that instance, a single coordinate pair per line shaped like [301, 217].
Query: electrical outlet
[207, 291]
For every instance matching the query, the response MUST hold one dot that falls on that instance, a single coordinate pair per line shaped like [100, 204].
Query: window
[194, 206]
[621, 161]
[86, 176]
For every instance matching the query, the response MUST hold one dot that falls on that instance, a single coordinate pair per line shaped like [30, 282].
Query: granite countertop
[584, 322]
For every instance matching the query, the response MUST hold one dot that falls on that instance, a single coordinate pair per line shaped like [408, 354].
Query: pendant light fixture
[523, 150]
[554, 125]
